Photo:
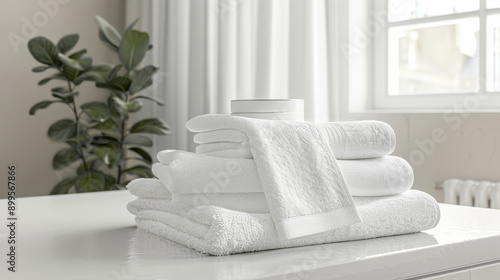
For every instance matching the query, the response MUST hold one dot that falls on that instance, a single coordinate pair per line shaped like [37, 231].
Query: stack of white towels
[261, 184]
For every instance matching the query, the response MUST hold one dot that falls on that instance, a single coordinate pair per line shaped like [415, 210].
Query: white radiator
[472, 193]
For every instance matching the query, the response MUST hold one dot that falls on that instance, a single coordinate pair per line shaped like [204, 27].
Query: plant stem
[122, 137]
[77, 119]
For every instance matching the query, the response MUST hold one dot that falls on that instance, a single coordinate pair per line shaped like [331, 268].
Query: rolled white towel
[348, 140]
[187, 172]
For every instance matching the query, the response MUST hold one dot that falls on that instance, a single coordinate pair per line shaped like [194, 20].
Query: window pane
[440, 57]
[409, 9]
[491, 4]
[493, 53]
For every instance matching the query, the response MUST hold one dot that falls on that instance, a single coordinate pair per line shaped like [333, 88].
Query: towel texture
[218, 231]
[244, 202]
[185, 172]
[221, 146]
[348, 140]
[303, 184]
[148, 188]
[221, 135]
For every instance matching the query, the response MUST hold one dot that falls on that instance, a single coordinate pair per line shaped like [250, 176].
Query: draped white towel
[304, 187]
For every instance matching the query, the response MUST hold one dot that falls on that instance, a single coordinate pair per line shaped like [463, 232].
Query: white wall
[23, 138]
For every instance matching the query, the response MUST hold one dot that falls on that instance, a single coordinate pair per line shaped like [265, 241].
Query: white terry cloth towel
[185, 172]
[301, 179]
[148, 188]
[231, 153]
[220, 146]
[348, 140]
[218, 231]
[244, 202]
[152, 191]
[221, 135]
[226, 149]
[191, 173]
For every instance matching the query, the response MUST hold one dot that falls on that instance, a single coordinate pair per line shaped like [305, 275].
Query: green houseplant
[100, 142]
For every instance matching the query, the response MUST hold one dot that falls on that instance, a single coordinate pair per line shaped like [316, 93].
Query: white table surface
[92, 236]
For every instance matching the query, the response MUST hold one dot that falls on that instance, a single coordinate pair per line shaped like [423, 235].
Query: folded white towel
[218, 146]
[348, 140]
[244, 202]
[388, 175]
[219, 231]
[231, 153]
[152, 192]
[226, 149]
[222, 135]
[185, 172]
[148, 188]
[302, 181]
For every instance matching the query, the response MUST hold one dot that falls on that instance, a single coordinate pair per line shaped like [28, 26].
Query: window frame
[469, 101]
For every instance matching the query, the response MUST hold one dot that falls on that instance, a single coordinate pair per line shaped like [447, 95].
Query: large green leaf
[108, 124]
[109, 183]
[82, 63]
[134, 106]
[139, 171]
[43, 50]
[64, 94]
[159, 102]
[117, 105]
[42, 105]
[115, 71]
[62, 130]
[39, 69]
[154, 126]
[133, 48]
[83, 138]
[105, 139]
[108, 154]
[120, 83]
[108, 33]
[92, 165]
[145, 155]
[90, 181]
[67, 42]
[142, 79]
[67, 97]
[97, 111]
[97, 73]
[57, 76]
[70, 73]
[78, 54]
[64, 158]
[60, 89]
[139, 140]
[63, 186]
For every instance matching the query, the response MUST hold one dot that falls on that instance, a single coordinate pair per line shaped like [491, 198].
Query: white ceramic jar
[269, 109]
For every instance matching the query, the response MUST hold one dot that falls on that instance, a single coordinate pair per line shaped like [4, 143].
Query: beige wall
[23, 138]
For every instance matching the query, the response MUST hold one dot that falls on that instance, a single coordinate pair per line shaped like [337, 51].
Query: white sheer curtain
[212, 51]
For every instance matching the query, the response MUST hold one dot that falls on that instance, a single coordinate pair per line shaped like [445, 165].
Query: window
[437, 54]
